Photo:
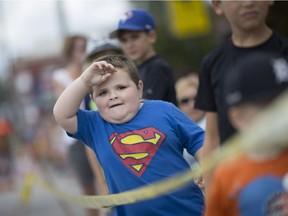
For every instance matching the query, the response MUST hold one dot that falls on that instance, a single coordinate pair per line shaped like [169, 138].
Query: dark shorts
[79, 162]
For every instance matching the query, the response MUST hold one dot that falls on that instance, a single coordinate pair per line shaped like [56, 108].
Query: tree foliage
[188, 53]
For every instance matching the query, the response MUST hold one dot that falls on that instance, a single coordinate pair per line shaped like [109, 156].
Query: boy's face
[186, 99]
[242, 116]
[118, 98]
[138, 45]
[242, 14]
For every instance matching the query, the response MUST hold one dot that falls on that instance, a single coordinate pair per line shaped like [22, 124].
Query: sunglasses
[186, 100]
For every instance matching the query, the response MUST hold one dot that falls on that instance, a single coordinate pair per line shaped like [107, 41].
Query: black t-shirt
[158, 80]
[214, 67]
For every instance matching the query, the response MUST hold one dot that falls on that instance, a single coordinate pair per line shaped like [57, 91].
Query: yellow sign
[188, 18]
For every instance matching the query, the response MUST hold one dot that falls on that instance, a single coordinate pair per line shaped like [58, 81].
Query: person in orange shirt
[252, 184]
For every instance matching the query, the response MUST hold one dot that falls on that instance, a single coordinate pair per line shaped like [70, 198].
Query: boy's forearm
[68, 103]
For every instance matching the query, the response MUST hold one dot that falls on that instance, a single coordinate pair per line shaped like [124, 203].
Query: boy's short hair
[122, 62]
[256, 77]
[134, 20]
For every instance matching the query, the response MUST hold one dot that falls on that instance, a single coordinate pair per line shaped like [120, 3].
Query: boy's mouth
[250, 14]
[115, 105]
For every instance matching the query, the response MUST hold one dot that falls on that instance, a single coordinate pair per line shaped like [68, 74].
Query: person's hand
[97, 73]
[200, 182]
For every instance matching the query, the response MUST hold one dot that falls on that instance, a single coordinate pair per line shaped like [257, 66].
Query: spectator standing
[74, 50]
[136, 32]
[250, 33]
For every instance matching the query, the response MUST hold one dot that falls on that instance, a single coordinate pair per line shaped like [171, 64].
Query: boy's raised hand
[97, 73]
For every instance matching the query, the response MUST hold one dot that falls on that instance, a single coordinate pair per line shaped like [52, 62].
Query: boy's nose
[248, 2]
[113, 96]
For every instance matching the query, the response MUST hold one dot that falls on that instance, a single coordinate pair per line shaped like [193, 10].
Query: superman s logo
[137, 148]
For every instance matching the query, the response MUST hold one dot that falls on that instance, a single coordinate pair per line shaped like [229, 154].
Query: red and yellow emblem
[137, 148]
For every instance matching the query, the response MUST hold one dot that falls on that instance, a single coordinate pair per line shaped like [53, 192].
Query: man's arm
[211, 141]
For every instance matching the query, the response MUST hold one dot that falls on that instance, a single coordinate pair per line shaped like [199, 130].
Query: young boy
[137, 142]
[252, 184]
[137, 36]
[249, 33]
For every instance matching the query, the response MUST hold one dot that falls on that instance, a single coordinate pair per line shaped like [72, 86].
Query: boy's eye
[135, 36]
[131, 37]
[102, 93]
[122, 87]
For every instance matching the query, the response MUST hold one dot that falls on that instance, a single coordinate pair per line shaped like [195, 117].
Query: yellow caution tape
[257, 138]
[27, 187]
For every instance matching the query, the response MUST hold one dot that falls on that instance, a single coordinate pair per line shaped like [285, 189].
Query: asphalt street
[41, 203]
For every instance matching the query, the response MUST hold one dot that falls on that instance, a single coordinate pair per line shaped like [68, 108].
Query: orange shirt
[5, 127]
[242, 186]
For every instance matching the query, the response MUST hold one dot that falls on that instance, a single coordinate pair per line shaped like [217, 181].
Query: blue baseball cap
[135, 20]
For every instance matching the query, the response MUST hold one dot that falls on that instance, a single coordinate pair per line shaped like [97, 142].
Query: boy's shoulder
[276, 42]
[159, 104]
[156, 60]
[217, 52]
[282, 42]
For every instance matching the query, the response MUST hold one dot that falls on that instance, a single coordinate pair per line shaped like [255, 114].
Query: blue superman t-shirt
[146, 149]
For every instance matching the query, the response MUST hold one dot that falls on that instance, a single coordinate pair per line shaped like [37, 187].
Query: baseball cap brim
[115, 33]
[103, 48]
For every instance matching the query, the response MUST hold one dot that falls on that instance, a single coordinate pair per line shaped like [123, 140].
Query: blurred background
[31, 39]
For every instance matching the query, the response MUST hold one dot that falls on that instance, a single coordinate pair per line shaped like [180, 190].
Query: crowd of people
[127, 122]
[196, 124]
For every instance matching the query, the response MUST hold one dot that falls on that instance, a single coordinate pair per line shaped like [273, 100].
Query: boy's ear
[152, 36]
[235, 118]
[140, 88]
[216, 4]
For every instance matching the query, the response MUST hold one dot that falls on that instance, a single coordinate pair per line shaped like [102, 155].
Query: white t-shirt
[61, 76]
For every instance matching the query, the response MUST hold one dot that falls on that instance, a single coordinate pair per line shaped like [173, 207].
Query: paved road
[42, 203]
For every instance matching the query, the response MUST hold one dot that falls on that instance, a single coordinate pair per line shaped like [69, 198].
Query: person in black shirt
[250, 33]
[137, 36]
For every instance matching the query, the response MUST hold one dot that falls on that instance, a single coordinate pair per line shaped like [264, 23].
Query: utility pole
[62, 19]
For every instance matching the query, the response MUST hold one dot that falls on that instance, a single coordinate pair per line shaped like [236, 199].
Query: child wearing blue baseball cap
[137, 35]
